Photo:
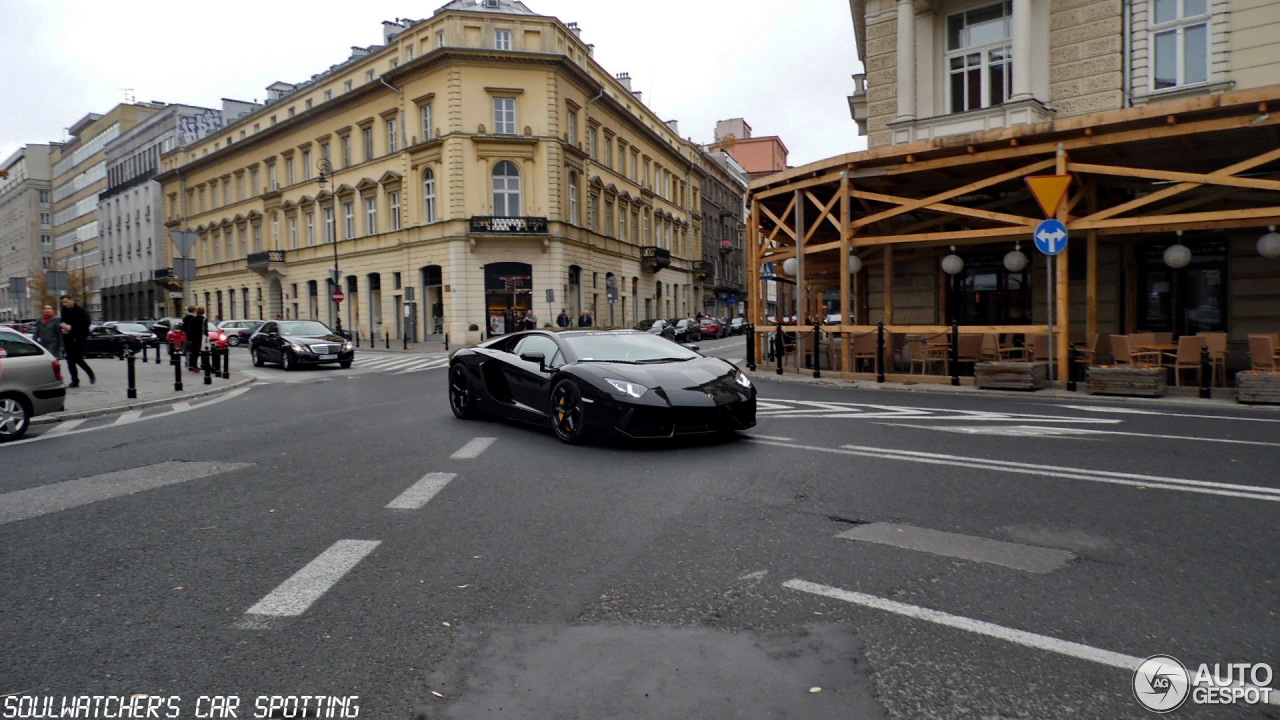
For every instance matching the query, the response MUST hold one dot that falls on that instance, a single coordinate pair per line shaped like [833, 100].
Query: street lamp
[326, 170]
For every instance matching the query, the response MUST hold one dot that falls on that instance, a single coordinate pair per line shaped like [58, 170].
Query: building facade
[79, 176]
[724, 188]
[137, 281]
[26, 229]
[477, 166]
[1158, 111]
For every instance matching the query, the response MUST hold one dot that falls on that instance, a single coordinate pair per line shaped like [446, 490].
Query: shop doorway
[508, 295]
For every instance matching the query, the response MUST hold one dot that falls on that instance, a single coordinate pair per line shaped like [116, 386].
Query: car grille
[325, 348]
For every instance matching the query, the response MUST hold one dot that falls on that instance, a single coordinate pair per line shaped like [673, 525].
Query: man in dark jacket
[75, 326]
[193, 328]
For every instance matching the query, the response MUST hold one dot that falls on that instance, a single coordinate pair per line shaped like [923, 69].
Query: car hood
[701, 381]
[308, 339]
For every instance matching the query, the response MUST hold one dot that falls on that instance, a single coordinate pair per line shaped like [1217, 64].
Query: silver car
[30, 383]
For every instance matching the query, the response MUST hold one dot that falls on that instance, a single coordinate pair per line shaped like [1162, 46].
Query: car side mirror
[535, 357]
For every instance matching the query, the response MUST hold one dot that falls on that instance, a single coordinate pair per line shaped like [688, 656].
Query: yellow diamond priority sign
[1048, 190]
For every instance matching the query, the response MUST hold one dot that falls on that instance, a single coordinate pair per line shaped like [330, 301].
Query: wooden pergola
[1209, 162]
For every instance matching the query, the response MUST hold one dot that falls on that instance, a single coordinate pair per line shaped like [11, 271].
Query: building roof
[501, 7]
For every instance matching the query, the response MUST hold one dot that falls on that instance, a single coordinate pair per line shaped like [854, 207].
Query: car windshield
[626, 347]
[130, 327]
[304, 327]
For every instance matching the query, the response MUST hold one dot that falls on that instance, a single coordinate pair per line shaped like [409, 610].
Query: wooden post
[845, 319]
[756, 300]
[802, 297]
[1063, 327]
[888, 285]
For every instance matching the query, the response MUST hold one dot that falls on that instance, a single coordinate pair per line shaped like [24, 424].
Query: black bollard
[817, 360]
[176, 359]
[880, 352]
[446, 342]
[226, 363]
[158, 352]
[1206, 373]
[955, 354]
[357, 339]
[406, 341]
[388, 339]
[779, 347]
[751, 347]
[206, 364]
[131, 389]
[144, 353]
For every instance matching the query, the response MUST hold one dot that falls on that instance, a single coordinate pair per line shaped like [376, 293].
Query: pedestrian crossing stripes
[397, 365]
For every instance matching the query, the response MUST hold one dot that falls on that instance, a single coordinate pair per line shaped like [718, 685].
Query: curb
[137, 405]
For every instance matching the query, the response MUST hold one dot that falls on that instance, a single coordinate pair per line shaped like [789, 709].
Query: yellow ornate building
[478, 164]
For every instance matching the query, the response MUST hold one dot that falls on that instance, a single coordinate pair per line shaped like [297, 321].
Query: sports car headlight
[627, 388]
[743, 380]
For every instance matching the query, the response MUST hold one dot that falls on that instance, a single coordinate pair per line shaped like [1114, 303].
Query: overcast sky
[783, 65]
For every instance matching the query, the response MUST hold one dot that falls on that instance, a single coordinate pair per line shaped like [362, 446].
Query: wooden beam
[1183, 221]
[910, 205]
[1194, 178]
[824, 215]
[951, 209]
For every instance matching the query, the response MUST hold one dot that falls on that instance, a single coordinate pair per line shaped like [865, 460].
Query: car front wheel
[233, 341]
[14, 418]
[568, 413]
[255, 357]
[461, 399]
[288, 362]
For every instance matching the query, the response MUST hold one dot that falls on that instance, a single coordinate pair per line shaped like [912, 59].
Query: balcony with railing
[262, 261]
[704, 268]
[509, 225]
[654, 258]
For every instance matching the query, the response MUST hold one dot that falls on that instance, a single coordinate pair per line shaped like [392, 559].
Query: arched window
[506, 189]
[428, 196]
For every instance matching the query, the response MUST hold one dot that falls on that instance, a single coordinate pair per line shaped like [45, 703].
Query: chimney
[675, 126]
[625, 79]
[638, 94]
[391, 29]
[576, 30]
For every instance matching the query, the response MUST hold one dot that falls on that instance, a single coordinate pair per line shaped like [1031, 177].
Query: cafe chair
[1187, 357]
[1125, 355]
[1217, 342]
[1263, 353]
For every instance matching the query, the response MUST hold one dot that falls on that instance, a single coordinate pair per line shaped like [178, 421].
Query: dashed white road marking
[63, 427]
[1044, 431]
[293, 596]
[125, 418]
[417, 496]
[74, 429]
[1250, 492]
[1017, 556]
[1132, 411]
[981, 627]
[473, 448]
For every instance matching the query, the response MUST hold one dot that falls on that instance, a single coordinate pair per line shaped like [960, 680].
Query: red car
[178, 340]
[712, 327]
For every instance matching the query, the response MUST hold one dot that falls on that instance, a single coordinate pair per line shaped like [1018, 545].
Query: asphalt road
[860, 553]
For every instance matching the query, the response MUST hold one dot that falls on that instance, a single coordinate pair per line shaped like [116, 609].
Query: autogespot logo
[1161, 683]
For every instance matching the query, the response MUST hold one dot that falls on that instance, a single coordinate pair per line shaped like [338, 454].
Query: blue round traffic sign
[1050, 237]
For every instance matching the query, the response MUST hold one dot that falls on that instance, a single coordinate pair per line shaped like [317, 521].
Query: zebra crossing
[367, 363]
[397, 364]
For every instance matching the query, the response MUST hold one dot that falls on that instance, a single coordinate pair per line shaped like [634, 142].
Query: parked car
[661, 328]
[686, 330]
[162, 326]
[24, 327]
[106, 341]
[238, 331]
[582, 382]
[294, 343]
[737, 326]
[712, 327]
[30, 383]
[137, 330]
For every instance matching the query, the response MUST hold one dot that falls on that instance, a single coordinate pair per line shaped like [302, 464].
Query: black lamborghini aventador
[583, 381]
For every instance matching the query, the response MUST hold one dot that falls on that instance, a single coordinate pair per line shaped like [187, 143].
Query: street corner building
[476, 166]
[1159, 116]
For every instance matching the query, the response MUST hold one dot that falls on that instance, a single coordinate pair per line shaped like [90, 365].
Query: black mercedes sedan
[585, 382]
[294, 343]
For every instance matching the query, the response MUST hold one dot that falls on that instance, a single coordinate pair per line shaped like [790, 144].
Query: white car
[238, 331]
[30, 383]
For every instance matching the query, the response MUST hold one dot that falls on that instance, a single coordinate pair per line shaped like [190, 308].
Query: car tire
[15, 418]
[462, 399]
[255, 357]
[345, 364]
[233, 341]
[568, 412]
[288, 362]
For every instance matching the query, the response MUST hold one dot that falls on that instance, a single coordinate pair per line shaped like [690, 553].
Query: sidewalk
[154, 384]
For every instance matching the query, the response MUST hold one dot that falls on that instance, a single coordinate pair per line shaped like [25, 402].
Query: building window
[573, 199]
[366, 135]
[368, 76]
[371, 215]
[979, 57]
[440, 39]
[346, 150]
[504, 116]
[428, 196]
[427, 132]
[311, 229]
[1180, 42]
[506, 189]
[330, 234]
[306, 164]
[502, 39]
[591, 142]
[347, 85]
[293, 232]
[608, 152]
[592, 214]
[393, 199]
[348, 219]
[573, 128]
[393, 140]
[288, 171]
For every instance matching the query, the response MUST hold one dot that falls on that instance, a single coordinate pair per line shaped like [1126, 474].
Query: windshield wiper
[651, 361]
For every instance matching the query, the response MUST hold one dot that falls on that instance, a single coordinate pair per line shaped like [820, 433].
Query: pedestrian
[562, 320]
[193, 329]
[49, 332]
[75, 332]
[530, 320]
[584, 320]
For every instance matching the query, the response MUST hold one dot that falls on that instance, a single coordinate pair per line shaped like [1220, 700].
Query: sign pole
[1049, 287]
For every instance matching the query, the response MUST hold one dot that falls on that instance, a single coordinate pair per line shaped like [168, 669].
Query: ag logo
[1161, 683]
